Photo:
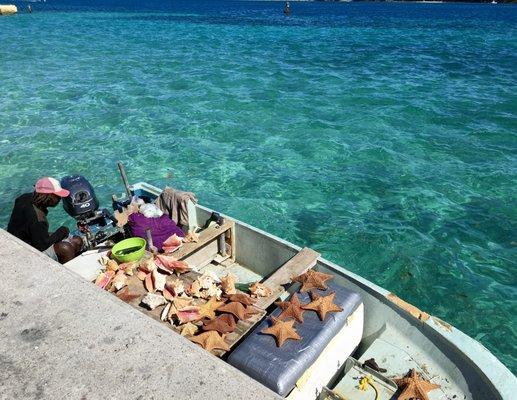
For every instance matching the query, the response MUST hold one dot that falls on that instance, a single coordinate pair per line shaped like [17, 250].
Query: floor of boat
[396, 352]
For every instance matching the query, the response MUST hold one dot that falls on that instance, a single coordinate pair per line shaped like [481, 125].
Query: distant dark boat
[287, 8]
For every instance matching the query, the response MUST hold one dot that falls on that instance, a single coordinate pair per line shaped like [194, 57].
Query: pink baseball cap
[50, 185]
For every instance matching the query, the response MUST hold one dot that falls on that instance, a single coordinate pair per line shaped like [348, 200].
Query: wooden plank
[304, 260]
[205, 237]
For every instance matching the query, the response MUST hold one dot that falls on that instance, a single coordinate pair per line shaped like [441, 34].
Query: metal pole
[122, 171]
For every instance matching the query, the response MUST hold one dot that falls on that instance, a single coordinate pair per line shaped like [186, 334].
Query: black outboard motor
[94, 226]
[82, 201]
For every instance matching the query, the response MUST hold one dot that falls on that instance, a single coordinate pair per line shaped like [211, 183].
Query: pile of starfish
[282, 327]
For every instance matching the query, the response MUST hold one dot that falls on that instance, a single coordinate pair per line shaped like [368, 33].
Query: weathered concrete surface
[61, 337]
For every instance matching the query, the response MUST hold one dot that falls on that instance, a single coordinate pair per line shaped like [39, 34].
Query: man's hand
[63, 232]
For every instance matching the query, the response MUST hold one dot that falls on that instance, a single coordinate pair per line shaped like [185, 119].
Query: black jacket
[30, 224]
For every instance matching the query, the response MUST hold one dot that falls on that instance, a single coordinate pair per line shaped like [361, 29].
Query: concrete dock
[62, 337]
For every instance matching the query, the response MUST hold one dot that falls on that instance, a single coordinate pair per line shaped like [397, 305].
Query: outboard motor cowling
[82, 200]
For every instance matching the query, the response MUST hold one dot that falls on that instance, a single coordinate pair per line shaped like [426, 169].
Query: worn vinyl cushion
[279, 368]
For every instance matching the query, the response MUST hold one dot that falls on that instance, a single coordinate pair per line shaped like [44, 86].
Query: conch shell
[173, 288]
[127, 268]
[169, 264]
[208, 279]
[228, 284]
[258, 289]
[188, 314]
[119, 281]
[155, 281]
[172, 243]
[212, 291]
[152, 300]
[195, 289]
[108, 263]
[104, 279]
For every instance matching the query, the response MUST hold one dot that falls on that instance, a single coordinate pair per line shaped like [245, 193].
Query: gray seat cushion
[279, 368]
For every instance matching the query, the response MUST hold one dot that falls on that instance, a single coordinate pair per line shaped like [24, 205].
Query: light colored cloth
[51, 253]
[151, 211]
[174, 203]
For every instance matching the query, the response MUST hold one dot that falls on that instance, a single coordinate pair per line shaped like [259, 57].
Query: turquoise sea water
[382, 135]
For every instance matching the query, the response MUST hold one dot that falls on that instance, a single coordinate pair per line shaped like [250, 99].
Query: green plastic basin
[127, 250]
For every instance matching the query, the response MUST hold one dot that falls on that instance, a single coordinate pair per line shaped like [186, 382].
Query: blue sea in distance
[383, 135]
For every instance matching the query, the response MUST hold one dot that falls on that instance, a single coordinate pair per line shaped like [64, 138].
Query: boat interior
[375, 325]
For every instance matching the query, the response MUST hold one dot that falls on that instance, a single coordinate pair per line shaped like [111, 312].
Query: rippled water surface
[381, 135]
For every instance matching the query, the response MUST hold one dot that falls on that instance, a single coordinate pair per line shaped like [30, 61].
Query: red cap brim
[62, 193]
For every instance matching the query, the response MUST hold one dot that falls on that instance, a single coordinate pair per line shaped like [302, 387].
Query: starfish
[234, 308]
[223, 324]
[291, 309]
[189, 329]
[322, 304]
[210, 340]
[242, 298]
[312, 280]
[251, 310]
[414, 387]
[282, 330]
[208, 309]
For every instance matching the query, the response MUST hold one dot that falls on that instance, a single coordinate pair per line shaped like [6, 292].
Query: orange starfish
[234, 308]
[322, 304]
[210, 340]
[223, 324]
[291, 309]
[282, 330]
[188, 329]
[312, 280]
[242, 298]
[208, 309]
[414, 387]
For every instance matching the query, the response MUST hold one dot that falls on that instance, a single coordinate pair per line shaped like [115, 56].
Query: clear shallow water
[381, 135]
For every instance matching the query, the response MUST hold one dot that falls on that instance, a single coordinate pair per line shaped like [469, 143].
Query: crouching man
[29, 221]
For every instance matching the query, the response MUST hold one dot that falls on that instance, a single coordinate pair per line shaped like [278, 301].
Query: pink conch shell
[228, 284]
[141, 275]
[188, 314]
[172, 243]
[173, 288]
[119, 281]
[149, 284]
[169, 264]
[104, 279]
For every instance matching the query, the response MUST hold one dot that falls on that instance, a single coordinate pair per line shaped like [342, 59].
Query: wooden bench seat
[304, 260]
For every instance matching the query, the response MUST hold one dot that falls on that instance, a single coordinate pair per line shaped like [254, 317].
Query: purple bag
[161, 228]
